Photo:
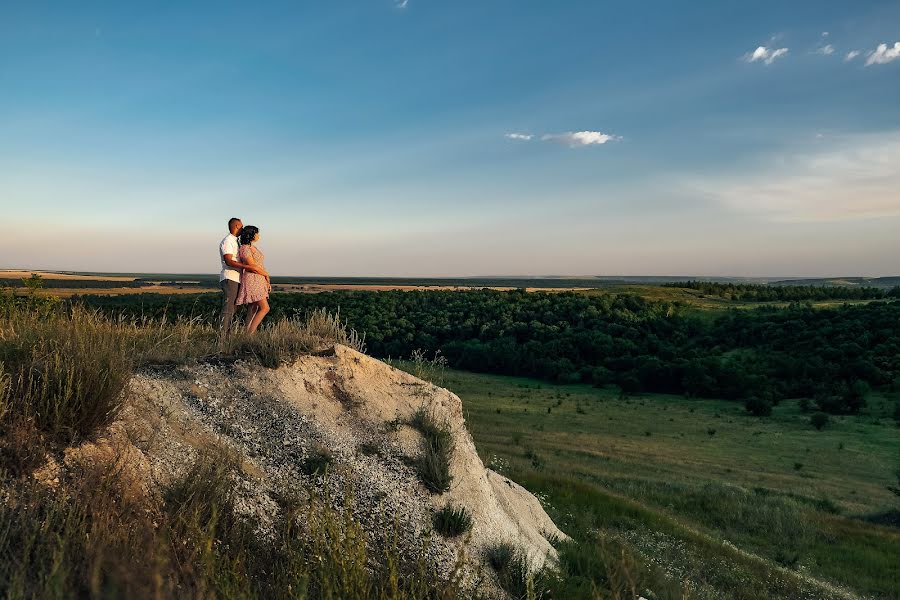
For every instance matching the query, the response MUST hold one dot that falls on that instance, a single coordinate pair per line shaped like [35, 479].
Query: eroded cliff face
[347, 406]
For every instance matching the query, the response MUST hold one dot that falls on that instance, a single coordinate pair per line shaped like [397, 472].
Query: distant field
[702, 302]
[179, 284]
[741, 507]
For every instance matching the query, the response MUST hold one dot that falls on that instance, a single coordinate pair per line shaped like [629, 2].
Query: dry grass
[85, 539]
[66, 372]
[65, 369]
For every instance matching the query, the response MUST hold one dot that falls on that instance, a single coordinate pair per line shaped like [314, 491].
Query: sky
[436, 138]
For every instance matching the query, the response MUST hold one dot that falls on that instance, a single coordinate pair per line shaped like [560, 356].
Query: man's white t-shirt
[229, 245]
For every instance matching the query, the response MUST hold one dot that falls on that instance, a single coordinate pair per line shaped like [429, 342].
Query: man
[230, 276]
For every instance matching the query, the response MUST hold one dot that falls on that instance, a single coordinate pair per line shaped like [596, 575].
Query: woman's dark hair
[246, 234]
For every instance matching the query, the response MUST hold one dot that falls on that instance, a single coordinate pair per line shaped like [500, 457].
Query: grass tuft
[317, 462]
[452, 521]
[433, 464]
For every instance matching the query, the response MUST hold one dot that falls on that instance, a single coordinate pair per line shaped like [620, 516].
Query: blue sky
[454, 138]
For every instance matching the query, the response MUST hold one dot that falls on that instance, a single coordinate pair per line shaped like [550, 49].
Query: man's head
[234, 225]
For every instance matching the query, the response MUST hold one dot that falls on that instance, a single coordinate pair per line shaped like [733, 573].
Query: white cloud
[519, 136]
[883, 54]
[826, 50]
[766, 55]
[581, 138]
[850, 177]
[826, 34]
[851, 55]
[401, 3]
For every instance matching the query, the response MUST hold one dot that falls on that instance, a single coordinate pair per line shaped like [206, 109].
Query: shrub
[452, 521]
[317, 462]
[428, 369]
[537, 462]
[819, 420]
[758, 407]
[433, 464]
[511, 568]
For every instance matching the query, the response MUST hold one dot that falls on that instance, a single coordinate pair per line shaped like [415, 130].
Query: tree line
[830, 356]
[745, 292]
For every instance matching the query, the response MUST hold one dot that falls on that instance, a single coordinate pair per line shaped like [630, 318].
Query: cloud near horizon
[519, 136]
[854, 178]
[766, 55]
[883, 54]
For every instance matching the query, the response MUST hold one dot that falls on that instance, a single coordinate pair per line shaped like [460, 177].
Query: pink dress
[253, 285]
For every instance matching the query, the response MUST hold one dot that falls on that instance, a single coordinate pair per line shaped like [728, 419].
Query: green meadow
[714, 502]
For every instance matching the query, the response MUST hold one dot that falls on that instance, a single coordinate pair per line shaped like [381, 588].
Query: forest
[830, 357]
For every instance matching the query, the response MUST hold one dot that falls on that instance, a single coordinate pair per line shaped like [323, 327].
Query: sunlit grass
[645, 470]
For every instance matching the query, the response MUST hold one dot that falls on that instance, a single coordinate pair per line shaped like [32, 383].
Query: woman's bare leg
[262, 309]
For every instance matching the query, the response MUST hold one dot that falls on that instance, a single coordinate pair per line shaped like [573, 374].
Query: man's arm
[229, 260]
[251, 264]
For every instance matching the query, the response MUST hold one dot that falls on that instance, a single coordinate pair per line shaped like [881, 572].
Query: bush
[758, 407]
[317, 462]
[819, 420]
[433, 464]
[511, 568]
[452, 521]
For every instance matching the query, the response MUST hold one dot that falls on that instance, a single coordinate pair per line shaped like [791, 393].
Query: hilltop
[136, 461]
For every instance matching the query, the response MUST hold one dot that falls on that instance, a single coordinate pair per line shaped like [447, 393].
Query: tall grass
[433, 463]
[90, 539]
[510, 564]
[66, 369]
[67, 373]
[84, 539]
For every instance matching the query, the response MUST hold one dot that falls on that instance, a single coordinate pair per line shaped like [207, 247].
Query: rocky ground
[345, 406]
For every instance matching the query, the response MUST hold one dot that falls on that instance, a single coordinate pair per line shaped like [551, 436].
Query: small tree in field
[33, 283]
[819, 420]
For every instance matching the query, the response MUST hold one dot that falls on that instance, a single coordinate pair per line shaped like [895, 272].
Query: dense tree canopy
[832, 355]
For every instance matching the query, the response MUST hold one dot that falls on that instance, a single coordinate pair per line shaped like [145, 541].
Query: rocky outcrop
[347, 406]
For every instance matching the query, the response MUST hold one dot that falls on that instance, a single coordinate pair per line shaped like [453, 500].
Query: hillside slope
[339, 408]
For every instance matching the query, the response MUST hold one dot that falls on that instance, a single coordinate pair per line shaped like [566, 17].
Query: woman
[254, 288]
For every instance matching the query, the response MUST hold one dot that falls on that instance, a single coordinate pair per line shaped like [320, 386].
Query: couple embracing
[243, 279]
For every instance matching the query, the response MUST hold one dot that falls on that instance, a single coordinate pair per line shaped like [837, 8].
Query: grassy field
[726, 505]
[702, 304]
